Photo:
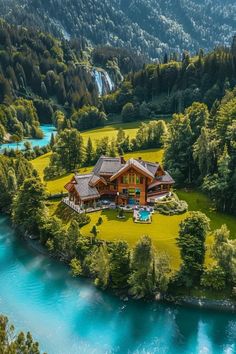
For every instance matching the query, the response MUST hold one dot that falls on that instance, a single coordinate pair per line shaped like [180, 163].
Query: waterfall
[103, 81]
[109, 81]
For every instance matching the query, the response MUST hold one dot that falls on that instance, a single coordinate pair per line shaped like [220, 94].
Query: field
[111, 130]
[163, 230]
[199, 201]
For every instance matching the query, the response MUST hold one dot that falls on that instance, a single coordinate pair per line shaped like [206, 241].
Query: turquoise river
[47, 129]
[69, 316]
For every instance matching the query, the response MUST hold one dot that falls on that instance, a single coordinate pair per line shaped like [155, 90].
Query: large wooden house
[132, 182]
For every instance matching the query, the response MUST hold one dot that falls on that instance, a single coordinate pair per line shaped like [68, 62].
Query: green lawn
[199, 201]
[112, 129]
[163, 230]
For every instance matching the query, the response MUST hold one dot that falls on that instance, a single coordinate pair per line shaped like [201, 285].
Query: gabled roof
[83, 188]
[165, 179]
[136, 164]
[95, 179]
[107, 166]
[150, 166]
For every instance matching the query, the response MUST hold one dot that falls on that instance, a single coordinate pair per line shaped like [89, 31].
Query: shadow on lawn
[111, 215]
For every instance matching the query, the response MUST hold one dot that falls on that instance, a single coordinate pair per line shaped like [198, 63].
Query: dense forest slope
[40, 75]
[149, 26]
[173, 86]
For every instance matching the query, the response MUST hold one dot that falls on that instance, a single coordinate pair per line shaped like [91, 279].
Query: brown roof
[83, 187]
[107, 166]
[166, 179]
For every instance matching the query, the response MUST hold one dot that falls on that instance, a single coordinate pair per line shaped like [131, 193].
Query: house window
[137, 192]
[131, 178]
[141, 180]
[125, 179]
[125, 191]
[137, 179]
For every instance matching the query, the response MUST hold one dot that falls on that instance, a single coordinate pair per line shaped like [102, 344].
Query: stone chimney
[122, 160]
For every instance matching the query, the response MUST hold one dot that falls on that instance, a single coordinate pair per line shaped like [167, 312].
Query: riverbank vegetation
[12, 342]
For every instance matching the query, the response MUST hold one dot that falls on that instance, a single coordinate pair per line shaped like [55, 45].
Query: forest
[174, 85]
[149, 27]
[40, 75]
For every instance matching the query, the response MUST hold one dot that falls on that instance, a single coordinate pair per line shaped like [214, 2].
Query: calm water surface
[47, 130]
[68, 316]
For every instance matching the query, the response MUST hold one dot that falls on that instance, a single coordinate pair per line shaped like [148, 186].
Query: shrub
[82, 219]
[214, 278]
[100, 221]
[171, 206]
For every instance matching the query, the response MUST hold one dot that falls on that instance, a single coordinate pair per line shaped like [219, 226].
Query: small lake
[69, 316]
[47, 130]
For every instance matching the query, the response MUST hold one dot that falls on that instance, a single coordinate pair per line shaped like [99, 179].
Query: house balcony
[81, 209]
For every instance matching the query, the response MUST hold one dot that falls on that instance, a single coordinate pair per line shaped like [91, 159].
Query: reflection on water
[69, 316]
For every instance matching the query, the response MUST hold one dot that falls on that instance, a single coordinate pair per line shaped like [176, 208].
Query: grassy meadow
[163, 230]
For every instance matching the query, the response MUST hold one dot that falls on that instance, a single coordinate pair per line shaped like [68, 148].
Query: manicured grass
[199, 201]
[111, 130]
[57, 185]
[163, 230]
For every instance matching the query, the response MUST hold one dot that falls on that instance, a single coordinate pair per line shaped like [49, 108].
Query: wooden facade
[134, 182]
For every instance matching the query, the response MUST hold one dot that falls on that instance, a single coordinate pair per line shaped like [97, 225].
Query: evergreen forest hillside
[148, 26]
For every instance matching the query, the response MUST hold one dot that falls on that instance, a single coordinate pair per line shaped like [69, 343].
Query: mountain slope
[149, 26]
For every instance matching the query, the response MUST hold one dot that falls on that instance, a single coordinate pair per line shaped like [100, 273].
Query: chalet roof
[136, 164]
[83, 187]
[162, 180]
[95, 179]
[150, 166]
[107, 166]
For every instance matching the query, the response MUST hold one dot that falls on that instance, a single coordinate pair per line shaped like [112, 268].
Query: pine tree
[89, 153]
[191, 242]
[120, 264]
[141, 279]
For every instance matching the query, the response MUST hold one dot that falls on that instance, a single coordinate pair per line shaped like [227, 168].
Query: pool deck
[138, 220]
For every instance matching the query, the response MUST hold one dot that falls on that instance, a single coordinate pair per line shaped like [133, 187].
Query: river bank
[225, 305]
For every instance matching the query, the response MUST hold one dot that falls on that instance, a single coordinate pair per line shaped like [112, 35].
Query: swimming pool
[144, 215]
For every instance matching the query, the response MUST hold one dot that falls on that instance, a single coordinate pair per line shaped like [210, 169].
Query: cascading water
[110, 83]
[99, 82]
[103, 81]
